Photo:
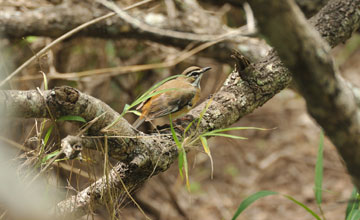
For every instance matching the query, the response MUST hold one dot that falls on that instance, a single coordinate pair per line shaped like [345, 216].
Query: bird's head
[194, 74]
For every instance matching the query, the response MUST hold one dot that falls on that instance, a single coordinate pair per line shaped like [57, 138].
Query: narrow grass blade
[186, 169]
[141, 99]
[71, 118]
[353, 204]
[157, 85]
[225, 135]
[302, 205]
[126, 108]
[181, 163]
[176, 139]
[207, 151]
[203, 112]
[181, 152]
[49, 156]
[189, 126]
[251, 199]
[238, 128]
[355, 215]
[47, 135]
[319, 170]
[135, 112]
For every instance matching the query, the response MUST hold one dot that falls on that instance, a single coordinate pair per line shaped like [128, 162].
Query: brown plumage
[176, 102]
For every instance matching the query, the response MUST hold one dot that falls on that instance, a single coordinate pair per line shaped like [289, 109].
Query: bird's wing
[170, 102]
[169, 84]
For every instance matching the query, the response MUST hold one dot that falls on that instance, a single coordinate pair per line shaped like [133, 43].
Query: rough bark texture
[240, 95]
[329, 99]
[55, 20]
[308, 7]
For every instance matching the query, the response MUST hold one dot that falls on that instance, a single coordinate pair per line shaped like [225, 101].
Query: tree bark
[329, 98]
[142, 158]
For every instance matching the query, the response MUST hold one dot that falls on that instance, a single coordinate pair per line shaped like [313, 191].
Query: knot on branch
[72, 146]
[241, 62]
[63, 98]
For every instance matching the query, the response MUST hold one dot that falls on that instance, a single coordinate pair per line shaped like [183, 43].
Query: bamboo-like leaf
[181, 163]
[135, 112]
[237, 128]
[157, 85]
[303, 206]
[355, 215]
[224, 135]
[126, 108]
[71, 118]
[319, 170]
[181, 152]
[251, 199]
[186, 169]
[189, 126]
[141, 99]
[207, 151]
[352, 205]
[47, 135]
[49, 156]
[203, 112]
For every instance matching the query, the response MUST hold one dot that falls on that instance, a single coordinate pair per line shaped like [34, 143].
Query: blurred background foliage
[282, 160]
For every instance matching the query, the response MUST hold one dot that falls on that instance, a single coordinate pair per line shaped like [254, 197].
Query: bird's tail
[138, 122]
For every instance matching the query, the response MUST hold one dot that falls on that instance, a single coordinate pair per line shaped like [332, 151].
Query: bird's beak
[203, 70]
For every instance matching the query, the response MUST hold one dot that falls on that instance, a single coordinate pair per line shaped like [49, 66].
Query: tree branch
[308, 7]
[53, 21]
[329, 99]
[144, 157]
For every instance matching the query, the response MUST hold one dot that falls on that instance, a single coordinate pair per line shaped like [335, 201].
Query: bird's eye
[193, 73]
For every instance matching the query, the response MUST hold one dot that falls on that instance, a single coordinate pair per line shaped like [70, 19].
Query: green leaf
[251, 199]
[71, 118]
[135, 112]
[141, 99]
[181, 163]
[319, 170]
[126, 107]
[203, 112]
[188, 127]
[47, 135]
[352, 205]
[225, 135]
[176, 139]
[181, 152]
[186, 168]
[302, 205]
[238, 128]
[158, 85]
[49, 156]
[31, 39]
[207, 151]
[355, 215]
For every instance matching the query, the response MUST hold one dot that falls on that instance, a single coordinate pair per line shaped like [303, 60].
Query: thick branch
[308, 7]
[239, 96]
[53, 21]
[329, 98]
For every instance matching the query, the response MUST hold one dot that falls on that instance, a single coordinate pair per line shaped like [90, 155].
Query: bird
[179, 101]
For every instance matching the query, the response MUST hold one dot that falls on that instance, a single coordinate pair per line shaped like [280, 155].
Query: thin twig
[158, 31]
[136, 68]
[63, 37]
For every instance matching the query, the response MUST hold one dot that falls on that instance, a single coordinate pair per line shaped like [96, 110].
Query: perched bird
[176, 102]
